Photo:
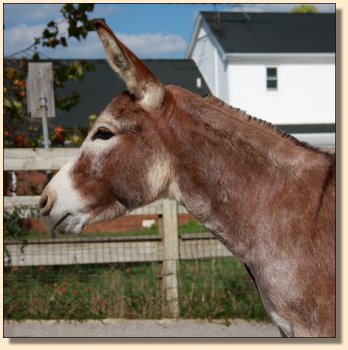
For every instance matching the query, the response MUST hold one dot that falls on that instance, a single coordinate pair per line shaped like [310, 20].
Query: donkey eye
[103, 134]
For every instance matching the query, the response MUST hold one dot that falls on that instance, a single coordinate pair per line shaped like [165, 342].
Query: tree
[305, 8]
[19, 130]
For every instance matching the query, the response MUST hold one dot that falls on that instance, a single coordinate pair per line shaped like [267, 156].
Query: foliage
[13, 221]
[77, 135]
[19, 130]
[13, 224]
[305, 8]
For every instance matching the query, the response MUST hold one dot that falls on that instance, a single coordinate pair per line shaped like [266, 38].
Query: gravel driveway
[139, 328]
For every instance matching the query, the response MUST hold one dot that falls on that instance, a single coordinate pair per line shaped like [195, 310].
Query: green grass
[34, 235]
[218, 288]
[82, 292]
[212, 288]
[192, 226]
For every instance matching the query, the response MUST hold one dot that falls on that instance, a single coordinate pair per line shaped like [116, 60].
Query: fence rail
[11, 203]
[16, 159]
[43, 159]
[108, 250]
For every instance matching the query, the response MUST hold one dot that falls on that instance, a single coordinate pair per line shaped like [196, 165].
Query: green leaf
[63, 41]
[67, 8]
[54, 43]
[79, 71]
[17, 104]
[36, 57]
[7, 103]
[46, 34]
[86, 7]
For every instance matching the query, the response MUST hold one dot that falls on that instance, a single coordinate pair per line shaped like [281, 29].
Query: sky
[149, 30]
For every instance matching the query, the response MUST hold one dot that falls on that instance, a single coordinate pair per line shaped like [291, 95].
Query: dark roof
[273, 32]
[308, 128]
[98, 88]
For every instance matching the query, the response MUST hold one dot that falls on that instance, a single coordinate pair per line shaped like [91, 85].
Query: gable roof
[272, 32]
[98, 88]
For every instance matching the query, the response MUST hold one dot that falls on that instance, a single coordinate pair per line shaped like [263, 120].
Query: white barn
[279, 67]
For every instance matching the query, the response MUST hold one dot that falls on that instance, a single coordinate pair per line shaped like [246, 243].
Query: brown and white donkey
[269, 198]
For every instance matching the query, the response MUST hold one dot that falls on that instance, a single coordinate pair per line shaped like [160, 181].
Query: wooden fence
[166, 248]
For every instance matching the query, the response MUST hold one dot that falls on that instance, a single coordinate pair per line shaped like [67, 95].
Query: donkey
[267, 197]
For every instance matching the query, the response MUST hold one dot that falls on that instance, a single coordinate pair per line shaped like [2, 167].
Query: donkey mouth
[67, 224]
[55, 229]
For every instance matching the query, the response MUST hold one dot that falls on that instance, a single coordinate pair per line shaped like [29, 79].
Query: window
[272, 78]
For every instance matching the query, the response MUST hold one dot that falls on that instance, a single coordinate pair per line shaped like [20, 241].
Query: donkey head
[122, 163]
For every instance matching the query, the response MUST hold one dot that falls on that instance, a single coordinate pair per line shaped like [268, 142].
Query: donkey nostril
[46, 202]
[43, 201]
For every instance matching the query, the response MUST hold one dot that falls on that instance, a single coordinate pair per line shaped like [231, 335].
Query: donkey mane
[239, 113]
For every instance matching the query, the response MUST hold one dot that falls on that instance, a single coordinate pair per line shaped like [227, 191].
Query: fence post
[171, 255]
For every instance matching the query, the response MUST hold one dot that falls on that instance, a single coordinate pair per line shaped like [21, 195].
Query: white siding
[209, 60]
[221, 73]
[203, 56]
[306, 92]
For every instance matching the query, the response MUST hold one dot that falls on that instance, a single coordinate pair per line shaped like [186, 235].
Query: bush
[13, 221]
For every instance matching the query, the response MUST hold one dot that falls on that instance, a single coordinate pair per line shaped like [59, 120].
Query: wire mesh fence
[82, 251]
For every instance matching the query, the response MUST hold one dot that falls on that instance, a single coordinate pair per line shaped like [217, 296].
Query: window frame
[272, 78]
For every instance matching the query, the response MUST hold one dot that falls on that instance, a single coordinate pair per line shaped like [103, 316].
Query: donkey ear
[139, 79]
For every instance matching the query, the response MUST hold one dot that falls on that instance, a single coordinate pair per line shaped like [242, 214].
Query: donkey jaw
[67, 223]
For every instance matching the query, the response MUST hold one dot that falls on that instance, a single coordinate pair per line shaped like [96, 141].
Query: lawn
[208, 289]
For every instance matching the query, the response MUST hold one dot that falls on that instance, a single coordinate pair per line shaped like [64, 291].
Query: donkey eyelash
[103, 134]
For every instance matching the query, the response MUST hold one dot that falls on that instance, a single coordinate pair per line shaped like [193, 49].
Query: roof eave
[194, 35]
[328, 56]
[198, 25]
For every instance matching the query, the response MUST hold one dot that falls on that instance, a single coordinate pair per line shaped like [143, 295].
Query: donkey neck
[232, 172]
